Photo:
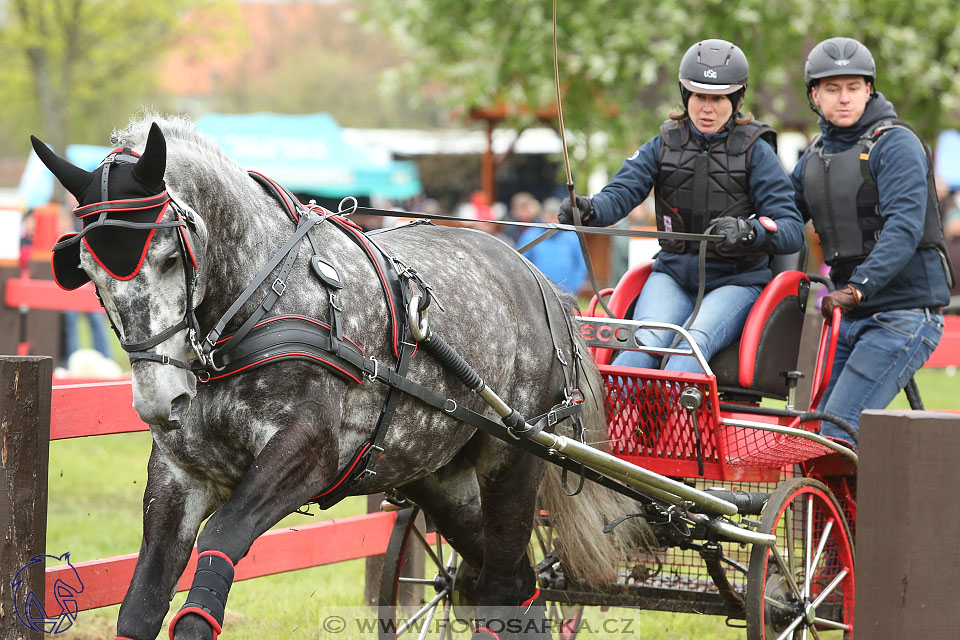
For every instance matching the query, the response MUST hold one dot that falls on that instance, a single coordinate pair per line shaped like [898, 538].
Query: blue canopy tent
[305, 153]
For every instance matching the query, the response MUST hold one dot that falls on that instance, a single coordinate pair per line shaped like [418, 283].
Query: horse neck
[244, 228]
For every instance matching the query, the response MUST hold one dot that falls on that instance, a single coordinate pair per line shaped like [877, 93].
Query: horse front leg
[172, 513]
[295, 464]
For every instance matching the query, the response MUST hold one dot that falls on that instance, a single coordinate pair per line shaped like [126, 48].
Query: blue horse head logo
[32, 613]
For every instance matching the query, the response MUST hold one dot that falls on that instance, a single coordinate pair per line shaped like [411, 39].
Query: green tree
[74, 69]
[618, 60]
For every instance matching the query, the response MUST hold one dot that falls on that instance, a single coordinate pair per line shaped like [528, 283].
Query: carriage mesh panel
[645, 420]
[746, 447]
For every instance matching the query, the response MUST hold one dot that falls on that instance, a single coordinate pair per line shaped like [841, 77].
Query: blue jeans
[875, 359]
[98, 332]
[718, 323]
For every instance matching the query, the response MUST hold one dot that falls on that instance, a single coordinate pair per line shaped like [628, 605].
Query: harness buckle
[282, 285]
[164, 358]
[376, 369]
[552, 417]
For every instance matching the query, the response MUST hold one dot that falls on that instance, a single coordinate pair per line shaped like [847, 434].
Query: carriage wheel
[414, 603]
[813, 540]
[418, 603]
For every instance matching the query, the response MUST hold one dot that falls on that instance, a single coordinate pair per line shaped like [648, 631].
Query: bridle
[184, 221]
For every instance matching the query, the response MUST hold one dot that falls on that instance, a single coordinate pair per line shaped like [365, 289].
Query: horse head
[137, 246]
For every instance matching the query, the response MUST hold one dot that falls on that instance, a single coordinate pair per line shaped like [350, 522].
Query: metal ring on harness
[346, 211]
[419, 326]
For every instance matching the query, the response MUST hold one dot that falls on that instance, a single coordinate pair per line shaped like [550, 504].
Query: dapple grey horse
[250, 448]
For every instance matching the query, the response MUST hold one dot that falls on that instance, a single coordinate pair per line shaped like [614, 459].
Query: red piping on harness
[295, 317]
[292, 209]
[386, 291]
[289, 355]
[345, 475]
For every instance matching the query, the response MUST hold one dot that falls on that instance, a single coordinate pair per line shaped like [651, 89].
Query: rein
[259, 341]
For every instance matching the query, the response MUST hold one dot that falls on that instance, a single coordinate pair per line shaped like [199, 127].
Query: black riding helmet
[838, 57]
[714, 67]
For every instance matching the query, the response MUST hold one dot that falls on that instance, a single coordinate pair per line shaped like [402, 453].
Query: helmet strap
[685, 96]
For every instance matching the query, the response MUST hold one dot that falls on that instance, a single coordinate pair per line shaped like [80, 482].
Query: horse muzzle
[161, 401]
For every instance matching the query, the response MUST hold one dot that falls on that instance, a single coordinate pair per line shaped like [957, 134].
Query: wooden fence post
[908, 562]
[25, 388]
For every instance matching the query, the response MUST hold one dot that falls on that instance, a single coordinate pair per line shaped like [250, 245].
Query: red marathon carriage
[754, 512]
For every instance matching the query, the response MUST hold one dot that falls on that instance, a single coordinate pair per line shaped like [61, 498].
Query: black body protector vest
[844, 202]
[695, 186]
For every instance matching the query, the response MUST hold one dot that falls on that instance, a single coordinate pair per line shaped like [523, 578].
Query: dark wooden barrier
[908, 515]
[24, 439]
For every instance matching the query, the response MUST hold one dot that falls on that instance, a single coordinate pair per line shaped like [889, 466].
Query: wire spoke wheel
[803, 587]
[418, 584]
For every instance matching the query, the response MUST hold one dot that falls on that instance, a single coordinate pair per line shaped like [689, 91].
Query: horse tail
[576, 522]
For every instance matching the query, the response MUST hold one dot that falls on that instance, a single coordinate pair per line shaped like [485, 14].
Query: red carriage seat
[770, 343]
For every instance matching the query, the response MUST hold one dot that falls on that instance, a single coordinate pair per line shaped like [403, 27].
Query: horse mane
[198, 170]
[178, 130]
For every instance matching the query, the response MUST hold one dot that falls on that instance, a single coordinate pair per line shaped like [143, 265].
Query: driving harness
[262, 340]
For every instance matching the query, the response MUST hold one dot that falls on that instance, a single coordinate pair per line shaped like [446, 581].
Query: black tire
[806, 518]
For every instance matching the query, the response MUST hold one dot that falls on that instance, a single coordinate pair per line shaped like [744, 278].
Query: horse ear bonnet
[126, 186]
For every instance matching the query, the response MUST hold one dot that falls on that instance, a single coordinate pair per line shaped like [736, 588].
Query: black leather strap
[306, 223]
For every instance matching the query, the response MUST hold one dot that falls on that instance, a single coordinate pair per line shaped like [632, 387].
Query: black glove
[585, 204]
[738, 234]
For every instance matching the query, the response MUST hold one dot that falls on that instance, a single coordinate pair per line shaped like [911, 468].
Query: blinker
[116, 233]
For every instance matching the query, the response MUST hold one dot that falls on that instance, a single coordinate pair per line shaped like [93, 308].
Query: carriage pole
[24, 448]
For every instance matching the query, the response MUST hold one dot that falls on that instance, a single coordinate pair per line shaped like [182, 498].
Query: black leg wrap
[528, 621]
[208, 593]
[535, 625]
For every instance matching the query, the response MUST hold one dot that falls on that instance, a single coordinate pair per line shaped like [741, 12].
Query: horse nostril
[180, 407]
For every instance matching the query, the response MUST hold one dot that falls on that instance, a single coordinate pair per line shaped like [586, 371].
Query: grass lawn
[96, 487]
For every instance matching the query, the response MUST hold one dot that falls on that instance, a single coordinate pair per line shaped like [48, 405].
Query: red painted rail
[45, 294]
[948, 351]
[101, 408]
[105, 581]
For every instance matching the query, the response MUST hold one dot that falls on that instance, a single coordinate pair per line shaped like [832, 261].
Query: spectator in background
[523, 208]
[479, 209]
[69, 335]
[559, 256]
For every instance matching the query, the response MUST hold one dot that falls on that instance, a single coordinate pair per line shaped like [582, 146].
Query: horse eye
[170, 262]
